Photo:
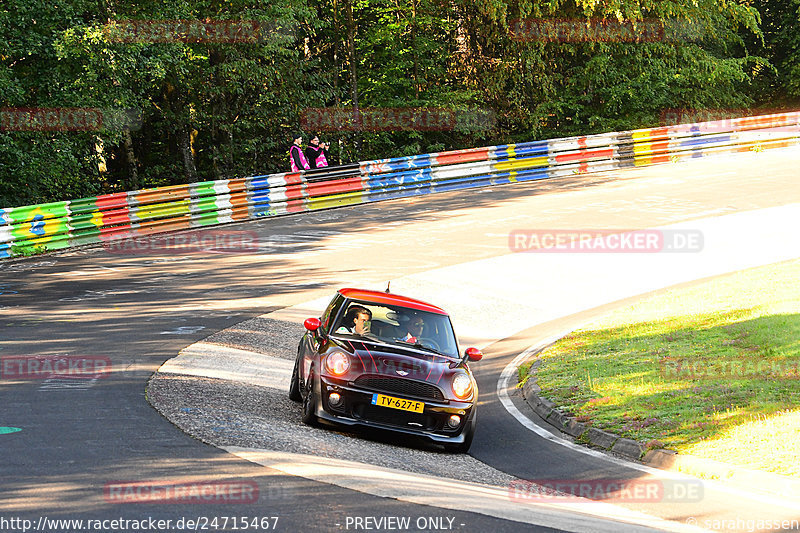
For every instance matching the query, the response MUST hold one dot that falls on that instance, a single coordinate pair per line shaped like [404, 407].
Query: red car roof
[390, 299]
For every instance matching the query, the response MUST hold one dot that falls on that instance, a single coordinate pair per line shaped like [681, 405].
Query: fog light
[335, 399]
[453, 421]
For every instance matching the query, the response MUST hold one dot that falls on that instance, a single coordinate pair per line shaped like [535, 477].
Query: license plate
[397, 403]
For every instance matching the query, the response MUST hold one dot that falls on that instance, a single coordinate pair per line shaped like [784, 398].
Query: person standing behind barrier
[317, 153]
[297, 159]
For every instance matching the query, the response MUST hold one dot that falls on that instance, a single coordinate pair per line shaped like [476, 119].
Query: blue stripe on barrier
[397, 192]
[379, 181]
[461, 183]
[413, 163]
[502, 178]
[416, 161]
[707, 139]
[259, 182]
[392, 194]
[494, 178]
[532, 149]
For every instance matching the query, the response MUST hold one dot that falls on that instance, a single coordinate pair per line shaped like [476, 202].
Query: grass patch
[712, 370]
[523, 373]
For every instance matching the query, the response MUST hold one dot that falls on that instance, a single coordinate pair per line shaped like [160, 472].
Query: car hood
[394, 361]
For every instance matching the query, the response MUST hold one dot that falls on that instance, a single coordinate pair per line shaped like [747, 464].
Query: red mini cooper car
[379, 360]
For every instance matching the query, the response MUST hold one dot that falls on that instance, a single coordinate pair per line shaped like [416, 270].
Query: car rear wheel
[294, 385]
[310, 403]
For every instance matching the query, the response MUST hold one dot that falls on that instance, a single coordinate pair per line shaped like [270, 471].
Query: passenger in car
[356, 321]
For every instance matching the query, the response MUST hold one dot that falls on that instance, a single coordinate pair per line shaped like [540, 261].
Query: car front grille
[394, 417]
[405, 387]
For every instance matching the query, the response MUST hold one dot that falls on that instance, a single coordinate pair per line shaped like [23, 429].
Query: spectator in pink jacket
[297, 159]
[317, 153]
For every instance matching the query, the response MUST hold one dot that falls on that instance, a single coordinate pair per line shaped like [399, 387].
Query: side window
[331, 312]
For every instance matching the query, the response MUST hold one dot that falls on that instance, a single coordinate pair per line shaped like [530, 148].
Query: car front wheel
[310, 403]
[294, 385]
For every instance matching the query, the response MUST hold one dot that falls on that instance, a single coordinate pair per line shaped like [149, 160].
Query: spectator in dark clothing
[297, 159]
[317, 153]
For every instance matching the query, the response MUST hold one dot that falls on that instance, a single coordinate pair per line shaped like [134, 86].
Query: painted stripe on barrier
[461, 156]
[40, 225]
[88, 220]
[531, 162]
[581, 143]
[6, 238]
[583, 155]
[384, 187]
[540, 148]
[503, 178]
[457, 171]
[335, 200]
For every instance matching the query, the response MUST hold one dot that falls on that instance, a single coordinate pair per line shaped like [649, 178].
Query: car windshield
[398, 325]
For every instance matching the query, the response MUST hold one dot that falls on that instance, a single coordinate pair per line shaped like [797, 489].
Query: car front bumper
[357, 410]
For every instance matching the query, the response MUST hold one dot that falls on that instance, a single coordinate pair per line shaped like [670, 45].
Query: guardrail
[57, 225]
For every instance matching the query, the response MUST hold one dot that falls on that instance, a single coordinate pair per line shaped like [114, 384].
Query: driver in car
[356, 321]
[414, 326]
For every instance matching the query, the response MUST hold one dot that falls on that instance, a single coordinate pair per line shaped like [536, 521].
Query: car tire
[310, 403]
[294, 385]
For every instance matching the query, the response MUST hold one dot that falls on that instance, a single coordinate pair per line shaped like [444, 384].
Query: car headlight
[337, 363]
[462, 385]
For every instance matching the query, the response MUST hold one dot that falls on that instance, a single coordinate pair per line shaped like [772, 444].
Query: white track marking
[578, 515]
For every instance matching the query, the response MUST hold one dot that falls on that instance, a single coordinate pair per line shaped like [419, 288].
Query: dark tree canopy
[221, 99]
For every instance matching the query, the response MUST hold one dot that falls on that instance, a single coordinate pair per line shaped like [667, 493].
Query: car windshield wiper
[427, 348]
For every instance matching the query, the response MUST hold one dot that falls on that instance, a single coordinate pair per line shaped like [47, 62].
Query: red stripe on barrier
[462, 156]
[295, 192]
[585, 155]
[324, 188]
[111, 201]
[296, 206]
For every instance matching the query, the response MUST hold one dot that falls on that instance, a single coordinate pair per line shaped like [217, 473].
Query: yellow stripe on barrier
[532, 162]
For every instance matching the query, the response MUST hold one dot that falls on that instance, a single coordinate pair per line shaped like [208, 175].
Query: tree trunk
[337, 69]
[190, 171]
[414, 47]
[351, 48]
[130, 158]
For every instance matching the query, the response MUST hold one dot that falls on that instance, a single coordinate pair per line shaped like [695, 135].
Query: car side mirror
[312, 324]
[473, 354]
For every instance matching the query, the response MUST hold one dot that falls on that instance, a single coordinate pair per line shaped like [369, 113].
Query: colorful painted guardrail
[30, 229]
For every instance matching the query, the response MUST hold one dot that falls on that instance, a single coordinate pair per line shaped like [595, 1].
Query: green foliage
[213, 110]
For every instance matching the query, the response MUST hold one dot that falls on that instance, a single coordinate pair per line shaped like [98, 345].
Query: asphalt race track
[79, 437]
